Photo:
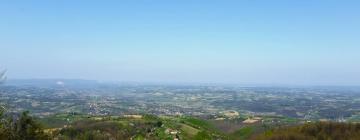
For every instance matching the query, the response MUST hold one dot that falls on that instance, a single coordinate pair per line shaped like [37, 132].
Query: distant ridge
[52, 82]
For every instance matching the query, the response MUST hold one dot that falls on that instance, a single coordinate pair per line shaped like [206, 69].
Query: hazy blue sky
[248, 41]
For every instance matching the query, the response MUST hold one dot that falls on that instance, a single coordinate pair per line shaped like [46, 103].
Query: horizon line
[240, 84]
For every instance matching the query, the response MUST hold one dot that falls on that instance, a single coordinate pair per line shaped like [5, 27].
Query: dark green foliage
[108, 129]
[88, 130]
[315, 131]
[158, 124]
[21, 128]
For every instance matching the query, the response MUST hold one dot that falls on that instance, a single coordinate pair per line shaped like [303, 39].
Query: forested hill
[315, 131]
[25, 127]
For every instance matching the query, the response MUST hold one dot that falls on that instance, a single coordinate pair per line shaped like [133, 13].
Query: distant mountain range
[52, 82]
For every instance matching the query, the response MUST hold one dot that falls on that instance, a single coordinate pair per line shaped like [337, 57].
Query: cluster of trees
[107, 129]
[91, 130]
[24, 127]
[315, 131]
[20, 127]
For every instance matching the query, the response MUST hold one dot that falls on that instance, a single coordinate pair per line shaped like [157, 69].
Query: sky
[293, 42]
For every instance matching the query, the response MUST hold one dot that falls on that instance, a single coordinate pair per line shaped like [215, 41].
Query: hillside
[314, 131]
[141, 127]
[137, 127]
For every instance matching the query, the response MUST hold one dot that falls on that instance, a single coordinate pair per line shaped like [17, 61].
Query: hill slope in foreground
[140, 127]
[314, 131]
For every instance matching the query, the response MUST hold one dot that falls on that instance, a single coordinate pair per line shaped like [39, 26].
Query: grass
[243, 133]
[189, 130]
[198, 123]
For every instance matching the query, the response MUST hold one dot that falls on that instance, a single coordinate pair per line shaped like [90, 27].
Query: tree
[23, 127]
[2, 124]
[28, 129]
